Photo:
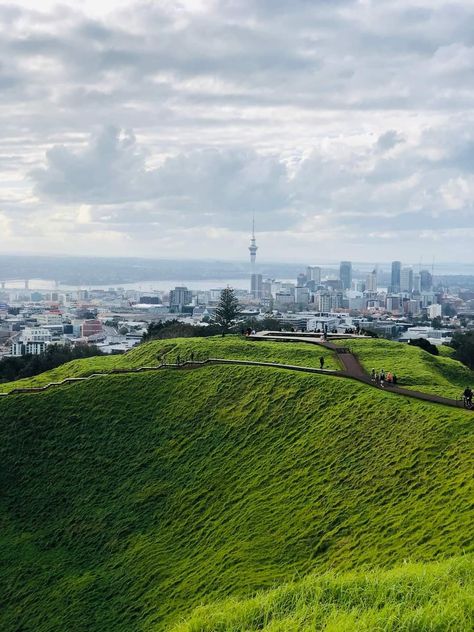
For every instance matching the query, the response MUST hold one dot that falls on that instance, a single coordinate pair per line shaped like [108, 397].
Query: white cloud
[337, 119]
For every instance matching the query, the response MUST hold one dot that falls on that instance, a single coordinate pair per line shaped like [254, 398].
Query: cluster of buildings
[401, 303]
[30, 321]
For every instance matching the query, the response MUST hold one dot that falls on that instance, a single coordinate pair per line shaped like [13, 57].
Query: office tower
[396, 269]
[417, 283]
[393, 303]
[256, 285]
[301, 296]
[313, 273]
[426, 281]
[179, 297]
[345, 274]
[406, 279]
[371, 283]
[301, 280]
[267, 288]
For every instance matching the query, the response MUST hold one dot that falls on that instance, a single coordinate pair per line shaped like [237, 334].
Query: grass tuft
[423, 597]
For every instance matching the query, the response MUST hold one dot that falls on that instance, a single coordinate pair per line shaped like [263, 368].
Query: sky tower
[253, 248]
[255, 279]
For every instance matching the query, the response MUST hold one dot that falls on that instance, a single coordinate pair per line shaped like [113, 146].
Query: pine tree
[228, 309]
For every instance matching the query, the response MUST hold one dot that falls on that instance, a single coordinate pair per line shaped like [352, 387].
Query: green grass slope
[129, 500]
[415, 368]
[150, 354]
[417, 597]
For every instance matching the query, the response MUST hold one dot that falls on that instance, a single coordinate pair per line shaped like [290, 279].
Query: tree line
[18, 367]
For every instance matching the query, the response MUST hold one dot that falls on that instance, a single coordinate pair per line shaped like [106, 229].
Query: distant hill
[127, 501]
[117, 270]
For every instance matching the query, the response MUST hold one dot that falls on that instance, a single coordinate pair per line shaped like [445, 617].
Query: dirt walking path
[353, 368]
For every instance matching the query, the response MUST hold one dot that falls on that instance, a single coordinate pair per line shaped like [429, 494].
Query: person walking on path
[373, 375]
[467, 397]
[321, 363]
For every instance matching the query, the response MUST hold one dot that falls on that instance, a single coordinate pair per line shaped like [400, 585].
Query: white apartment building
[322, 302]
[32, 340]
[435, 336]
[434, 311]
[50, 318]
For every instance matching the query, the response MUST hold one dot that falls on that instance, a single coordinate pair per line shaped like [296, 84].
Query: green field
[417, 597]
[127, 501]
[151, 354]
[415, 368]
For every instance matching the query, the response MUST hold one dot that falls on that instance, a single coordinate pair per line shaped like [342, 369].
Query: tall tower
[345, 274]
[255, 279]
[395, 280]
[253, 248]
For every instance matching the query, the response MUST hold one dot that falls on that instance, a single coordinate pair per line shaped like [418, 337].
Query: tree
[437, 323]
[369, 332]
[464, 346]
[228, 309]
[175, 329]
[425, 345]
[13, 368]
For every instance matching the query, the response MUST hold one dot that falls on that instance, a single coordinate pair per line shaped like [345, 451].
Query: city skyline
[157, 129]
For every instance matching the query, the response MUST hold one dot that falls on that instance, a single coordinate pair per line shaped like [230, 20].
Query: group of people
[381, 378]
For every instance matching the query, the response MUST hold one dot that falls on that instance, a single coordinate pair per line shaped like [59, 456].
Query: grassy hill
[129, 500]
[415, 368]
[421, 597]
[152, 353]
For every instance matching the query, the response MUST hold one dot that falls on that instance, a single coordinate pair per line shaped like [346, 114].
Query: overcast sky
[158, 128]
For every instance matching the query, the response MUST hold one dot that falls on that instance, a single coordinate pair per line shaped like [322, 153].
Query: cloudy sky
[158, 128]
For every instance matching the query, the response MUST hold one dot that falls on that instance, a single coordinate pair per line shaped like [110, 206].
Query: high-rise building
[179, 297]
[426, 281]
[345, 274]
[396, 269]
[393, 303]
[301, 280]
[406, 279]
[313, 273]
[256, 285]
[337, 300]
[322, 301]
[371, 282]
[417, 283]
[301, 296]
[267, 288]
